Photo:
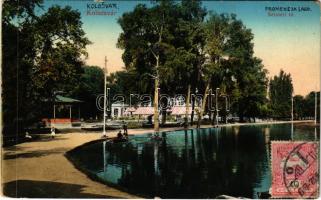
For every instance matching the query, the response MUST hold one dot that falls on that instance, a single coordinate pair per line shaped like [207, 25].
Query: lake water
[201, 163]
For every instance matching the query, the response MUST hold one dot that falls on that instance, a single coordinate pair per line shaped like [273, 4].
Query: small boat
[93, 128]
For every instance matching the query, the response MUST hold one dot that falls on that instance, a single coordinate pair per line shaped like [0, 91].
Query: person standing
[53, 132]
[125, 129]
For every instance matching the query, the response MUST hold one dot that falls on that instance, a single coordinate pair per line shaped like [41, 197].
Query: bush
[132, 124]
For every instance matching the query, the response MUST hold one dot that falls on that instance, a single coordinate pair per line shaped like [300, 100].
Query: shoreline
[41, 169]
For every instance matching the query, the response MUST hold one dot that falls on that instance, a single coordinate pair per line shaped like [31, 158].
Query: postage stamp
[295, 171]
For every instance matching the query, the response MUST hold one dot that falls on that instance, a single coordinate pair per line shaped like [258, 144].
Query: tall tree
[90, 85]
[244, 76]
[309, 106]
[146, 40]
[186, 56]
[17, 61]
[231, 66]
[192, 55]
[60, 43]
[217, 36]
[281, 90]
[49, 49]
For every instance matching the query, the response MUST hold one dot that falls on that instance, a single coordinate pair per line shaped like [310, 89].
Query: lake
[194, 163]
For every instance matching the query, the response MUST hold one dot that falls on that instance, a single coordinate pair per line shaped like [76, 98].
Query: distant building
[177, 109]
[118, 109]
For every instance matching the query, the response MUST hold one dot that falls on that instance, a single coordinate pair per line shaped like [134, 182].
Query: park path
[40, 168]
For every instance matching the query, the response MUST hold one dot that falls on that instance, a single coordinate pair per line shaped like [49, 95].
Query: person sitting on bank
[126, 135]
[119, 135]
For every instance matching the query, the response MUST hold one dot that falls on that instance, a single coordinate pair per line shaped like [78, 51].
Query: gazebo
[64, 112]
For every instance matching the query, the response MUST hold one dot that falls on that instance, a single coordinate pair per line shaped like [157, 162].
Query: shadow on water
[46, 189]
[201, 163]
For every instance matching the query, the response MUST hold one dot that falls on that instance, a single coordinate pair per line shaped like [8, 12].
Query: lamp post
[105, 102]
[315, 114]
[104, 155]
[315, 107]
[216, 105]
[291, 117]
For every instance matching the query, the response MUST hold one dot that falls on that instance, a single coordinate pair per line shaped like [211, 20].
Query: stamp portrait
[294, 169]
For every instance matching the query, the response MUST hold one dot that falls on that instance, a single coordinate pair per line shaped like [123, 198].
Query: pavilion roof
[144, 111]
[180, 110]
[62, 99]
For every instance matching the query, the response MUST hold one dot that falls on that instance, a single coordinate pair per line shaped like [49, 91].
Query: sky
[291, 43]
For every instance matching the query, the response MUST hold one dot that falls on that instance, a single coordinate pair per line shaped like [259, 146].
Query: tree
[17, 104]
[217, 37]
[147, 40]
[309, 107]
[49, 49]
[193, 55]
[304, 107]
[281, 90]
[60, 44]
[299, 104]
[185, 58]
[91, 84]
[253, 90]
[232, 67]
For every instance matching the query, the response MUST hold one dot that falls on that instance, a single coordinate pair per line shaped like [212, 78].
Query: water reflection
[192, 163]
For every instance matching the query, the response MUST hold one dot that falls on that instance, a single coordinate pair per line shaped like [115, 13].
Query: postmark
[295, 171]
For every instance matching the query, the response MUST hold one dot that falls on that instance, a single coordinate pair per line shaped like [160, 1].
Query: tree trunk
[156, 113]
[164, 116]
[203, 105]
[187, 105]
[156, 123]
[213, 118]
[192, 114]
[164, 113]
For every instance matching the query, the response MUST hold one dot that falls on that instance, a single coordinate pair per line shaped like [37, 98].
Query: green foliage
[43, 55]
[14, 11]
[304, 107]
[90, 85]
[17, 101]
[193, 52]
[123, 82]
[60, 44]
[178, 49]
[299, 106]
[281, 90]
[231, 66]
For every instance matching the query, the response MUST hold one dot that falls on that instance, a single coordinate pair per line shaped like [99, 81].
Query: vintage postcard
[171, 99]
